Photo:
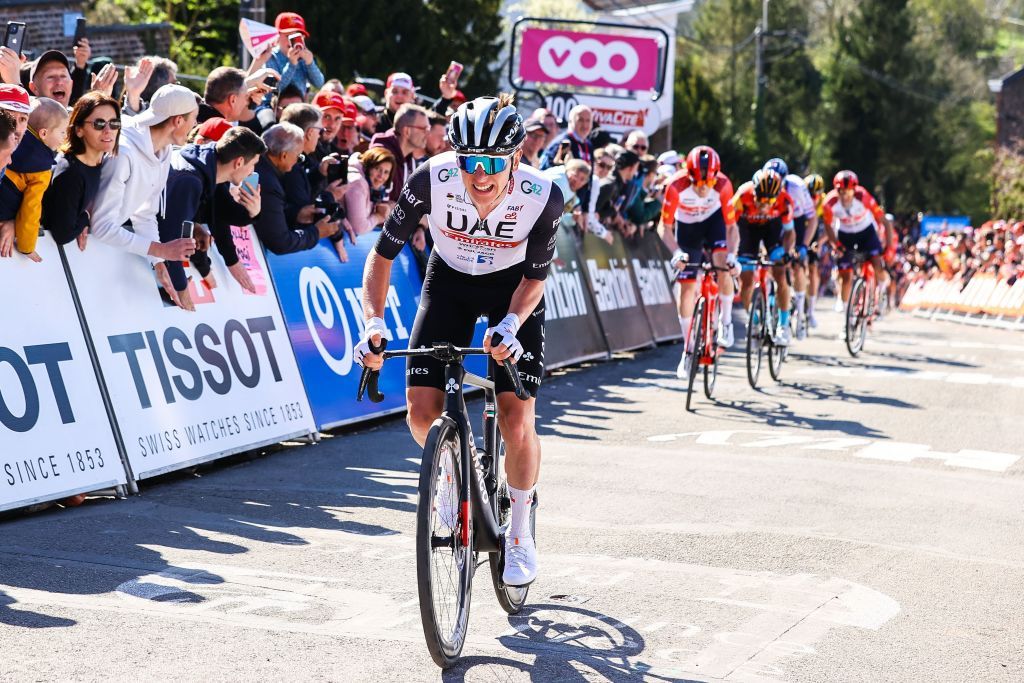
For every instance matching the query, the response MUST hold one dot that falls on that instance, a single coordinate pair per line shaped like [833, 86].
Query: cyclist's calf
[516, 421]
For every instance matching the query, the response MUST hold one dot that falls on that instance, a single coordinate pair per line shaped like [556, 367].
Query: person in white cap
[670, 158]
[132, 182]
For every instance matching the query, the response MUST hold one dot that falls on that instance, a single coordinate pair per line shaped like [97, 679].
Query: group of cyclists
[778, 215]
[493, 222]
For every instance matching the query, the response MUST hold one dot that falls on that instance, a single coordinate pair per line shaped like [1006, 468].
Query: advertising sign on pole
[594, 59]
[55, 435]
[188, 387]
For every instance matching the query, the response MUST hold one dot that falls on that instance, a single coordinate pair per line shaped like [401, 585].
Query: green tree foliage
[895, 89]
[421, 38]
[1008, 190]
[204, 33]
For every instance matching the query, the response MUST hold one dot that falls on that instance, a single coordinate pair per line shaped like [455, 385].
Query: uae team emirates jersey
[519, 231]
[682, 203]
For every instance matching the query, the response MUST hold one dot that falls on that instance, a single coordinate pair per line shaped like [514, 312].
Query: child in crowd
[28, 176]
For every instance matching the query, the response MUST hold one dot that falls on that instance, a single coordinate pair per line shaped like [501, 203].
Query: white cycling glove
[374, 327]
[680, 259]
[508, 328]
[730, 260]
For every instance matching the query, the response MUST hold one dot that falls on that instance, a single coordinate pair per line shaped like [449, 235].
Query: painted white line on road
[975, 378]
[891, 451]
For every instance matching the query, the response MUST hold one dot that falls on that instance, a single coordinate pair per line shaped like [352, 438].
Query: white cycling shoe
[727, 338]
[683, 369]
[812, 322]
[520, 561]
[785, 336]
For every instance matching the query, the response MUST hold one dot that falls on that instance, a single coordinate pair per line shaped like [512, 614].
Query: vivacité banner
[55, 435]
[616, 293]
[188, 387]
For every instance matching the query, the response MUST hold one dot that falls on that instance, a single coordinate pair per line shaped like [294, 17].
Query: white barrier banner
[55, 436]
[189, 387]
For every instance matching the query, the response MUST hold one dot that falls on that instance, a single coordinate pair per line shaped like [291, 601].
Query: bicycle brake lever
[369, 378]
[511, 370]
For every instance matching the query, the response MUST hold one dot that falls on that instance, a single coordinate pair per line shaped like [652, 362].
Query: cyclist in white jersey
[493, 222]
[805, 223]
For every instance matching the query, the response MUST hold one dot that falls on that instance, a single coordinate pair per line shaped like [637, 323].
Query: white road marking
[973, 378]
[892, 451]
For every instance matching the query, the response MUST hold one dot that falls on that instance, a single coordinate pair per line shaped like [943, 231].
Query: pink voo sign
[596, 59]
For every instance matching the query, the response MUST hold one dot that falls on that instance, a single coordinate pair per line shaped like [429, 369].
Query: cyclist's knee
[516, 420]
[425, 405]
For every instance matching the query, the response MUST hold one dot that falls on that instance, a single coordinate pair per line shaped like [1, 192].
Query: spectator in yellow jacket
[28, 175]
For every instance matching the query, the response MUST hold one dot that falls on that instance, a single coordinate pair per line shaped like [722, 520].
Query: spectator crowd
[143, 163]
[994, 248]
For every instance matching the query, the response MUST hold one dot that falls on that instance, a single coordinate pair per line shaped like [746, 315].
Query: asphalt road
[860, 521]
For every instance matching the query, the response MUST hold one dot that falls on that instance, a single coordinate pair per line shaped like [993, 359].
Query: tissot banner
[187, 387]
[616, 293]
[55, 437]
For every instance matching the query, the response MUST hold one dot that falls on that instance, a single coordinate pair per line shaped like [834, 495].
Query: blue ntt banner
[322, 303]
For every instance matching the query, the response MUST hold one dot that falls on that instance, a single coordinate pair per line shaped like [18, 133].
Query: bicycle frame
[709, 292]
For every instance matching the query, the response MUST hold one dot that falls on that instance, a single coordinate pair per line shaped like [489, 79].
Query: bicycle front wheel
[696, 346]
[444, 545]
[857, 317]
[755, 337]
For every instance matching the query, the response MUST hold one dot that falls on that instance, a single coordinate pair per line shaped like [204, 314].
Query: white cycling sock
[813, 301]
[684, 323]
[521, 502]
[725, 301]
[799, 298]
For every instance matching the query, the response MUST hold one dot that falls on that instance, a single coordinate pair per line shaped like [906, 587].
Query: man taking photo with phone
[199, 191]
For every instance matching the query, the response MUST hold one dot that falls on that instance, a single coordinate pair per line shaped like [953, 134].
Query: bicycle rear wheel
[856, 317]
[755, 337]
[511, 598]
[445, 561]
[696, 346]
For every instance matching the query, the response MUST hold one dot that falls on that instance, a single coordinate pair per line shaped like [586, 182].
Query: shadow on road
[107, 547]
[569, 644]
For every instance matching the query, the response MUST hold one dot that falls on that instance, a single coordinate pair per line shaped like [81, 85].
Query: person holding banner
[491, 255]
[698, 214]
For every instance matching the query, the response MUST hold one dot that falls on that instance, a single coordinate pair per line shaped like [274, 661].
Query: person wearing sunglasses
[698, 214]
[92, 135]
[494, 223]
[764, 216]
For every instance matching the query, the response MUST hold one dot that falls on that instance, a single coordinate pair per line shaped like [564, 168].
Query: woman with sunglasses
[494, 224]
[93, 131]
[698, 214]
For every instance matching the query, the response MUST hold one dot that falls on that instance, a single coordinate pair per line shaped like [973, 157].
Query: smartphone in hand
[14, 38]
[338, 171]
[251, 182]
[454, 71]
[295, 39]
[80, 25]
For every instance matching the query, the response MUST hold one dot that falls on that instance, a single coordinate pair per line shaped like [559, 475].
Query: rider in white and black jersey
[493, 223]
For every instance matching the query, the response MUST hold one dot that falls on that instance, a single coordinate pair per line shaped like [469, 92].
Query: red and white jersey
[682, 203]
[863, 212]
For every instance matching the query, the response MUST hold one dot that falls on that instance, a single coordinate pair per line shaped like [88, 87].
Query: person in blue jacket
[199, 190]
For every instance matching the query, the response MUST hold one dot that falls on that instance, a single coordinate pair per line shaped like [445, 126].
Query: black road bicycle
[464, 506]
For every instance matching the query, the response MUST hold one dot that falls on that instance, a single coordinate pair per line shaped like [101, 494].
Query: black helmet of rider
[487, 125]
[767, 184]
[815, 183]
